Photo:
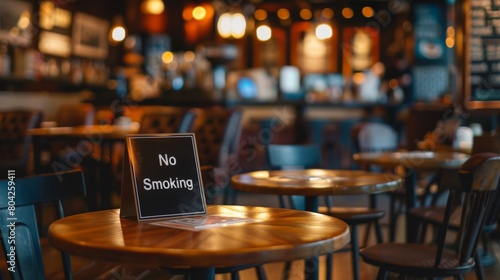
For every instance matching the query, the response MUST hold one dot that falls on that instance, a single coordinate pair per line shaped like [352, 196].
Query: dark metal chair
[479, 180]
[433, 215]
[26, 192]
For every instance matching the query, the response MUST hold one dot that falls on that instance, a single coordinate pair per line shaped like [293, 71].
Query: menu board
[484, 54]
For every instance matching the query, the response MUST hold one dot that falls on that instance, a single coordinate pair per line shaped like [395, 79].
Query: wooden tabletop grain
[422, 160]
[315, 182]
[275, 234]
[116, 132]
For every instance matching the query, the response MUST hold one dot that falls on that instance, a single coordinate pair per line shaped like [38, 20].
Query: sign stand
[161, 177]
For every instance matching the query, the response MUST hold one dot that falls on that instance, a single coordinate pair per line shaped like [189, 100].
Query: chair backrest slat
[289, 157]
[26, 193]
[479, 177]
[293, 156]
[217, 132]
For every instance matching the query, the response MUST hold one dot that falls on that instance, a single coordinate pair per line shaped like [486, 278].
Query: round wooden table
[419, 160]
[313, 183]
[413, 161]
[274, 235]
[91, 138]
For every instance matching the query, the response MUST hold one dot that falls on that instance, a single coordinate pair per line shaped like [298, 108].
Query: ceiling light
[154, 7]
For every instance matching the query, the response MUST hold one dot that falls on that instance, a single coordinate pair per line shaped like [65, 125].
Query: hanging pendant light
[117, 32]
[154, 7]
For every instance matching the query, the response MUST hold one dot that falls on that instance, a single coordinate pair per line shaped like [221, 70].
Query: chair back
[377, 137]
[489, 143]
[373, 137]
[175, 119]
[293, 157]
[479, 179]
[217, 131]
[26, 193]
[422, 119]
[75, 115]
[15, 140]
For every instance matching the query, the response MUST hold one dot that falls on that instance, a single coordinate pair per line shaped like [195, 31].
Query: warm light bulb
[238, 25]
[450, 42]
[283, 14]
[368, 12]
[224, 25]
[167, 57]
[347, 13]
[24, 20]
[154, 7]
[324, 31]
[327, 13]
[264, 33]
[199, 13]
[305, 14]
[260, 14]
[118, 34]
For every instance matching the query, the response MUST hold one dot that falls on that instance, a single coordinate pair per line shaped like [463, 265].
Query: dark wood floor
[86, 269]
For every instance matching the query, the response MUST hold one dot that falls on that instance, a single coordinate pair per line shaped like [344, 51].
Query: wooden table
[275, 235]
[99, 137]
[313, 183]
[413, 161]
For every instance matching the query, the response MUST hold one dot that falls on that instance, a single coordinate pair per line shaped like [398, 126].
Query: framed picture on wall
[360, 49]
[90, 36]
[15, 22]
[311, 54]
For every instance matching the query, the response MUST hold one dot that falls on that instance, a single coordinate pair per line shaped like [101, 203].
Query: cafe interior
[375, 114]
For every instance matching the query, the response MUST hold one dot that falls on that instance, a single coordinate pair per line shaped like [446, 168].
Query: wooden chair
[27, 192]
[309, 156]
[14, 139]
[171, 120]
[75, 115]
[217, 131]
[479, 179]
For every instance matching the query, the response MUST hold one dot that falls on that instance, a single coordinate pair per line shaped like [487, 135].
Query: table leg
[106, 175]
[37, 151]
[311, 203]
[311, 264]
[411, 201]
[205, 273]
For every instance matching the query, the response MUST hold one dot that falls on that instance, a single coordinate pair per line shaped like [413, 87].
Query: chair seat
[435, 215]
[82, 268]
[353, 215]
[414, 259]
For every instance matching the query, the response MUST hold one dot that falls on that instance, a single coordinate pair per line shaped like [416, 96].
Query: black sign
[162, 174]
[484, 54]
